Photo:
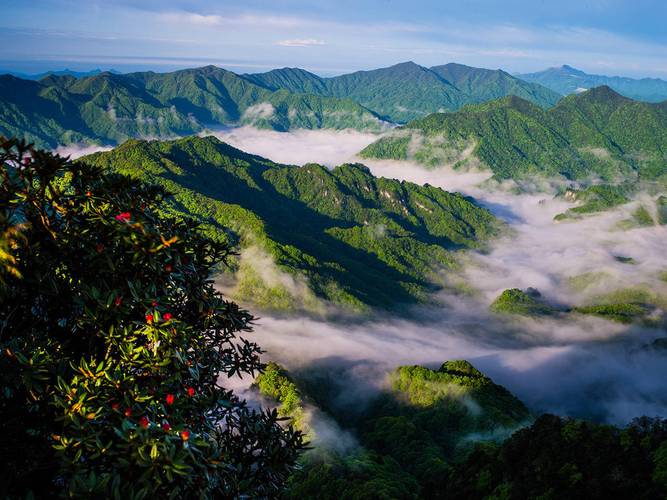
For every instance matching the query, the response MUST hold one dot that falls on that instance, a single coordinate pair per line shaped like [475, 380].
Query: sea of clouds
[571, 365]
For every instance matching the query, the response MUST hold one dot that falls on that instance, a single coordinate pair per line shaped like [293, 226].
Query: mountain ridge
[567, 80]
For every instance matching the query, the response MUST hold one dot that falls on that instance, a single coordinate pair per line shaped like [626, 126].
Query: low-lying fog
[583, 366]
[576, 365]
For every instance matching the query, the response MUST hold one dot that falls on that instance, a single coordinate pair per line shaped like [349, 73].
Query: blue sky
[624, 37]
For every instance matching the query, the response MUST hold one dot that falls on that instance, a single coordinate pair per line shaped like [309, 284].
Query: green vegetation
[275, 383]
[560, 458]
[446, 434]
[621, 313]
[596, 198]
[409, 436]
[115, 346]
[359, 241]
[596, 134]
[407, 91]
[110, 108]
[515, 301]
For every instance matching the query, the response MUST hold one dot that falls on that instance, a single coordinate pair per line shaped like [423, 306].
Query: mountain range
[111, 108]
[595, 134]
[407, 91]
[568, 80]
[311, 232]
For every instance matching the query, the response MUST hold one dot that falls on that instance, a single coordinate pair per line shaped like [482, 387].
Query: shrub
[115, 346]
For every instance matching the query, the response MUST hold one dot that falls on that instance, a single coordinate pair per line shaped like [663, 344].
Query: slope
[357, 239]
[406, 91]
[111, 108]
[567, 80]
[597, 133]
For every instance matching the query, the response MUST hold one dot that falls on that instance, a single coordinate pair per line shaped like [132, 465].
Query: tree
[115, 346]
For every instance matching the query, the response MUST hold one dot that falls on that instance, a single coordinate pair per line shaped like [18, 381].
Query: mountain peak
[602, 93]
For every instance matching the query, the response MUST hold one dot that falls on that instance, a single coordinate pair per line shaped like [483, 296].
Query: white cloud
[555, 364]
[300, 42]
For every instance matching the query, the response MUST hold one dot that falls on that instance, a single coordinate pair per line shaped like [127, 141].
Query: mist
[570, 365]
[75, 151]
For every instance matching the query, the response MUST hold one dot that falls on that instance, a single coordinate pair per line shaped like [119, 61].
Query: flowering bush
[115, 345]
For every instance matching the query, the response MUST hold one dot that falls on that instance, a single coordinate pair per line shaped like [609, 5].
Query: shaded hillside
[110, 108]
[598, 133]
[357, 239]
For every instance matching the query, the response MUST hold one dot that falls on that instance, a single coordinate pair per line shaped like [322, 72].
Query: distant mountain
[568, 80]
[407, 91]
[597, 133]
[112, 108]
[353, 238]
[64, 72]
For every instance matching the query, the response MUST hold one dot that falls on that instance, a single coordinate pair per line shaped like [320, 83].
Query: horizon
[99, 68]
[603, 37]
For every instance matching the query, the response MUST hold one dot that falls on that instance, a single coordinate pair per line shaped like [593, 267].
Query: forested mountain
[597, 133]
[111, 108]
[450, 433]
[357, 239]
[567, 80]
[407, 91]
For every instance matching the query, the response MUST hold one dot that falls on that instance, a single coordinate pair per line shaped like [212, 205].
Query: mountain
[309, 232]
[409, 435]
[64, 72]
[597, 133]
[483, 85]
[407, 91]
[111, 108]
[452, 432]
[567, 80]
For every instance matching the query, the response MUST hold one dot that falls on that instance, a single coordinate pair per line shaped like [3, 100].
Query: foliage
[594, 135]
[110, 108]
[115, 346]
[515, 301]
[560, 458]
[360, 240]
[621, 313]
[406, 91]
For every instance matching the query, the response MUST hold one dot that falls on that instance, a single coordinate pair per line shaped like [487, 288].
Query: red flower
[154, 303]
[143, 421]
[166, 427]
[123, 217]
[170, 399]
[118, 301]
[89, 194]
[168, 268]
[149, 318]
[99, 248]
[167, 316]
[185, 435]
[191, 391]
[128, 412]
[115, 406]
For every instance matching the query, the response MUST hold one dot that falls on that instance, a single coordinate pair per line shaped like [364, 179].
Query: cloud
[75, 151]
[574, 365]
[302, 146]
[300, 42]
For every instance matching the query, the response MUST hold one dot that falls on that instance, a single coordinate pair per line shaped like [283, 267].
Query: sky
[612, 37]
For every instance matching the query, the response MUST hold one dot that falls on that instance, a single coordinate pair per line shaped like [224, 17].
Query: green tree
[115, 346]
